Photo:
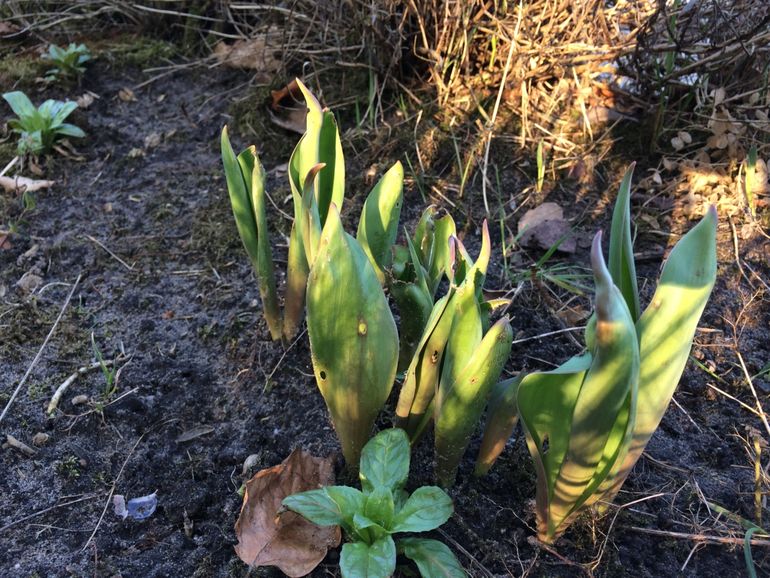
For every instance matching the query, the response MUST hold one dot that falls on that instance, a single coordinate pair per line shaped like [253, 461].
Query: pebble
[40, 439]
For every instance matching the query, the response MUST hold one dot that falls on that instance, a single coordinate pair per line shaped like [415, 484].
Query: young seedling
[108, 372]
[39, 127]
[370, 517]
[67, 62]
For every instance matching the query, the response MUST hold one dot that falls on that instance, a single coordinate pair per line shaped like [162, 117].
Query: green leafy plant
[39, 127]
[588, 421]
[415, 276]
[317, 180]
[457, 361]
[67, 62]
[370, 517]
[353, 337]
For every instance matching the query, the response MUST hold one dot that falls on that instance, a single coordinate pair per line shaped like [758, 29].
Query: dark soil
[176, 293]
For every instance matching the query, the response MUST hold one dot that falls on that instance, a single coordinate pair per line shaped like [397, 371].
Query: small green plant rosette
[67, 61]
[372, 516]
[39, 127]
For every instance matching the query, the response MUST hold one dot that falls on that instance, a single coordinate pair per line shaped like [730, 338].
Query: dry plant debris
[268, 536]
[544, 226]
[19, 184]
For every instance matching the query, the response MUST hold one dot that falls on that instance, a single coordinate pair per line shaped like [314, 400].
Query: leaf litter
[270, 536]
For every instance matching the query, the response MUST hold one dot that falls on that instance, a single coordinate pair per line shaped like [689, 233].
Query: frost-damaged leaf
[288, 541]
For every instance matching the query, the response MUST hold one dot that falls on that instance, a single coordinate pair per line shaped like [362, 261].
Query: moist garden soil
[144, 221]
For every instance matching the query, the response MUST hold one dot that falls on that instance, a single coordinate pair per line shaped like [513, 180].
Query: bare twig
[21, 446]
[706, 538]
[40, 351]
[54, 403]
[45, 511]
[113, 255]
[9, 166]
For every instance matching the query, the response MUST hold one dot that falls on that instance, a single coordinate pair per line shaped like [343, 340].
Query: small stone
[152, 140]
[250, 463]
[40, 439]
[29, 282]
[79, 399]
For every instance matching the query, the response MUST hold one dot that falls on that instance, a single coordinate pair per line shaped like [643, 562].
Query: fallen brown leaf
[288, 540]
[288, 109]
[23, 184]
[257, 54]
[543, 227]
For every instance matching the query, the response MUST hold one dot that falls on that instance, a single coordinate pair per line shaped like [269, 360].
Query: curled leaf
[288, 540]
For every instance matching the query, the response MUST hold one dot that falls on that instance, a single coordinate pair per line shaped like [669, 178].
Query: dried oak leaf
[261, 54]
[544, 226]
[288, 540]
[288, 109]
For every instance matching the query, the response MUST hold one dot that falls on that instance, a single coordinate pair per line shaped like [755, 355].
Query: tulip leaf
[463, 394]
[353, 338]
[331, 181]
[246, 187]
[426, 509]
[378, 225]
[621, 259]
[297, 270]
[666, 330]
[578, 418]
[423, 374]
[503, 415]
[439, 261]
[385, 461]
[433, 558]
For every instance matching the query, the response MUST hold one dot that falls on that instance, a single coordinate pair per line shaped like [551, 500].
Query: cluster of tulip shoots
[586, 422]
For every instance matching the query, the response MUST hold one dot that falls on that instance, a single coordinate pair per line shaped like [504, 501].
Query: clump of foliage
[452, 354]
[588, 421]
[38, 128]
[67, 62]
[371, 516]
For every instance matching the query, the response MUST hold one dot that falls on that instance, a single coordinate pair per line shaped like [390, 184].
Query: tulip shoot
[578, 418]
[353, 338]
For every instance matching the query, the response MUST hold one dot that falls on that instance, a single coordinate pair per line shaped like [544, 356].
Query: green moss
[19, 71]
[139, 51]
